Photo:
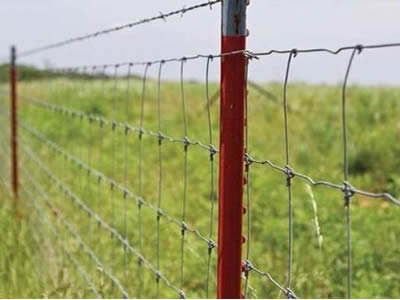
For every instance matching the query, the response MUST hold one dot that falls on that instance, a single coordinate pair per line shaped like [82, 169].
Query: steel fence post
[13, 118]
[232, 120]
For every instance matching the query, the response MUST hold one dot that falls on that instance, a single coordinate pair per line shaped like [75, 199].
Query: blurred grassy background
[315, 149]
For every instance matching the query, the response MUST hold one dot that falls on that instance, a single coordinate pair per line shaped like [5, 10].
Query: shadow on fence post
[13, 125]
[233, 91]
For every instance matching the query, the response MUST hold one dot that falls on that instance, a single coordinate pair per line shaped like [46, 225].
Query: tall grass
[315, 149]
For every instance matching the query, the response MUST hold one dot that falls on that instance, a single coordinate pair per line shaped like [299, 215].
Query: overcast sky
[273, 24]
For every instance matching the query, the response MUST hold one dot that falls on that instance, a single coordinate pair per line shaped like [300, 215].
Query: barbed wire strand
[161, 16]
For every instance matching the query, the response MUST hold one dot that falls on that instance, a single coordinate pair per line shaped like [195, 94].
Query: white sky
[273, 24]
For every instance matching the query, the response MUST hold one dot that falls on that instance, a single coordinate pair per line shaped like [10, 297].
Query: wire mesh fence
[120, 166]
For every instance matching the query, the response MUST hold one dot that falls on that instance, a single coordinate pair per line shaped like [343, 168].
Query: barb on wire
[161, 16]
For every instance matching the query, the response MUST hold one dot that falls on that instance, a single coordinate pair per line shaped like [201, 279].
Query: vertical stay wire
[89, 155]
[185, 167]
[113, 157]
[211, 244]
[288, 170]
[348, 193]
[100, 159]
[126, 158]
[247, 267]
[160, 161]
[140, 191]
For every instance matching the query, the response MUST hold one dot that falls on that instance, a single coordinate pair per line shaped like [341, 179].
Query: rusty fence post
[13, 125]
[232, 118]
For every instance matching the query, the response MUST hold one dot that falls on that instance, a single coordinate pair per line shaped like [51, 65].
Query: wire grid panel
[297, 155]
[118, 159]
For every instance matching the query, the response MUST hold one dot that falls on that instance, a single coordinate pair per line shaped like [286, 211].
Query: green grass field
[35, 264]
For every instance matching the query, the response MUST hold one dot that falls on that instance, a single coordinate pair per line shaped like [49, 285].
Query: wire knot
[348, 193]
[248, 159]
[140, 202]
[158, 276]
[112, 185]
[213, 151]
[114, 125]
[161, 137]
[250, 55]
[289, 175]
[184, 227]
[247, 268]
[290, 294]
[211, 245]
[159, 214]
[141, 132]
[186, 143]
[359, 48]
[126, 129]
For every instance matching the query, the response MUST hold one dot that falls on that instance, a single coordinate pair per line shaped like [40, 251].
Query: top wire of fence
[162, 16]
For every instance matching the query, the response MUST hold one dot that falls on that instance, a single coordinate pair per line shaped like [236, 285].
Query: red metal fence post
[233, 91]
[13, 113]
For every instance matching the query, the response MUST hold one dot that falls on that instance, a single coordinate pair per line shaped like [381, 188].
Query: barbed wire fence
[97, 146]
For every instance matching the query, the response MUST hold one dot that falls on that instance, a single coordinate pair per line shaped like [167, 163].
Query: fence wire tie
[349, 192]
[140, 132]
[213, 151]
[114, 125]
[247, 268]
[290, 174]
[182, 295]
[184, 228]
[126, 128]
[159, 214]
[161, 137]
[250, 55]
[290, 294]
[211, 245]
[186, 143]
